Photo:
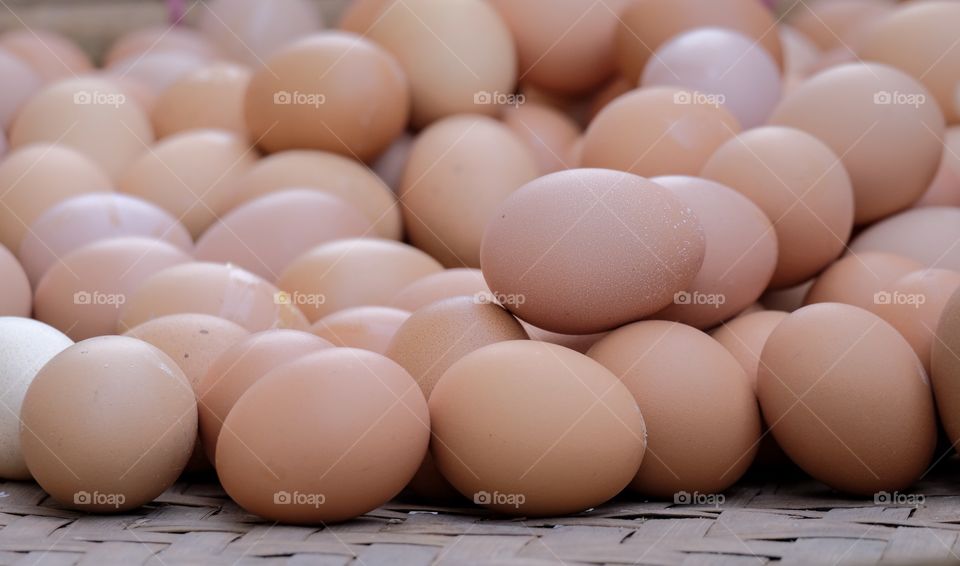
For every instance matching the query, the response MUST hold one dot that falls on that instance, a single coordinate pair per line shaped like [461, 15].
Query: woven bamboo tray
[790, 520]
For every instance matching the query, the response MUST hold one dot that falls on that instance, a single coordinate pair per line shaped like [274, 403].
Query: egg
[529, 428]
[652, 247]
[250, 31]
[382, 431]
[22, 83]
[441, 285]
[800, 53]
[740, 257]
[944, 189]
[847, 399]
[365, 328]
[190, 175]
[459, 171]
[744, 337]
[723, 63]
[333, 91]
[604, 96]
[34, 178]
[90, 115]
[158, 70]
[702, 417]
[924, 234]
[788, 299]
[799, 183]
[913, 305]
[211, 288]
[108, 424]
[884, 126]
[25, 346]
[82, 294]
[51, 55]
[84, 219]
[391, 163]
[210, 97]
[458, 56]
[837, 24]
[576, 342]
[547, 133]
[15, 296]
[265, 234]
[856, 278]
[353, 272]
[945, 367]
[159, 39]
[646, 24]
[657, 131]
[327, 172]
[238, 367]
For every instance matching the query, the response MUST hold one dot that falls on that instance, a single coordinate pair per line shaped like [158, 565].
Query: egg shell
[108, 424]
[547, 133]
[249, 31]
[211, 288]
[944, 189]
[391, 163]
[744, 337]
[924, 234]
[238, 367]
[50, 54]
[22, 83]
[787, 300]
[576, 342]
[85, 219]
[847, 399]
[25, 346]
[159, 39]
[529, 428]
[836, 25]
[264, 235]
[208, 98]
[652, 247]
[444, 284]
[273, 440]
[15, 296]
[366, 328]
[800, 53]
[353, 272]
[459, 171]
[701, 413]
[158, 70]
[856, 278]
[945, 367]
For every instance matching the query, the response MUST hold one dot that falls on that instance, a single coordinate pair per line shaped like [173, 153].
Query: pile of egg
[528, 254]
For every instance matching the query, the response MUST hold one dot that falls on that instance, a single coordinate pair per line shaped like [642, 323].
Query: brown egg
[702, 417]
[800, 53]
[459, 171]
[459, 56]
[529, 428]
[21, 83]
[786, 300]
[139, 93]
[108, 424]
[547, 133]
[657, 131]
[924, 234]
[617, 87]
[744, 337]
[191, 175]
[646, 24]
[238, 367]
[913, 305]
[359, 15]
[739, 260]
[91, 115]
[855, 278]
[250, 31]
[327, 172]
[15, 296]
[799, 183]
[945, 368]
[212, 288]
[366, 328]
[576, 342]
[441, 285]
[353, 272]
[34, 178]
[599, 249]
[837, 24]
[884, 126]
[565, 46]
[51, 55]
[847, 399]
[264, 235]
[82, 294]
[272, 461]
[158, 71]
[944, 189]
[391, 163]
[194, 342]
[159, 39]
[209, 97]
[333, 91]
[84, 219]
